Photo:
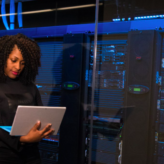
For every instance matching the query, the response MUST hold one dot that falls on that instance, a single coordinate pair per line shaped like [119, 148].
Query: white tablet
[27, 116]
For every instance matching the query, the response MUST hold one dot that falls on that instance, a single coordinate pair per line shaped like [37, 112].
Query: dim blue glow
[118, 62]
[50, 140]
[39, 86]
[160, 142]
[157, 77]
[142, 17]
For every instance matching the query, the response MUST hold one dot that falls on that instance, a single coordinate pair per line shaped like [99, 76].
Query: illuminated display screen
[137, 89]
[69, 86]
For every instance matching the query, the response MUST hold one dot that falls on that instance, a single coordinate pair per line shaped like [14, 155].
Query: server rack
[143, 67]
[109, 99]
[159, 133]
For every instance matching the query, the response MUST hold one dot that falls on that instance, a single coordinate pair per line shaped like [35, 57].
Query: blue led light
[3, 12]
[139, 17]
[142, 17]
[12, 16]
[118, 19]
[12, 26]
[20, 22]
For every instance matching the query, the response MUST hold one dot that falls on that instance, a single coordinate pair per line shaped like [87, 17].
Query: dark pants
[28, 156]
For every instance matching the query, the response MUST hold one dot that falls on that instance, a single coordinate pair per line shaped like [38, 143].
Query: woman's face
[14, 64]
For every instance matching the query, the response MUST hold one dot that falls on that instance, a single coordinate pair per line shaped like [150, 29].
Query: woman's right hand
[36, 135]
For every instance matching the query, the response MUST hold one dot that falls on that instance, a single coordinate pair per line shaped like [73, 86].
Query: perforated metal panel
[159, 147]
[49, 84]
[49, 79]
[110, 74]
[108, 97]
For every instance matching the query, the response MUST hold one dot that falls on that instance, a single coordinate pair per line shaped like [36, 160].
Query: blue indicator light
[142, 17]
[39, 86]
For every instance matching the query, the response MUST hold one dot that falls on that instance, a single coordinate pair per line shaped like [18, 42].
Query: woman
[19, 62]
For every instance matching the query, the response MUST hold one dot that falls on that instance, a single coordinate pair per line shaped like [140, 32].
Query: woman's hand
[35, 135]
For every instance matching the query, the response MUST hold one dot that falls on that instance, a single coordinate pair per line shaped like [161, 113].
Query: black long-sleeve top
[12, 94]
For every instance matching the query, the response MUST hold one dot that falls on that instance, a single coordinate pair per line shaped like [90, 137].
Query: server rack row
[127, 76]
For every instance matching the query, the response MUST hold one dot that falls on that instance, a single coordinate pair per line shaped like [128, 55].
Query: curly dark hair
[30, 52]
